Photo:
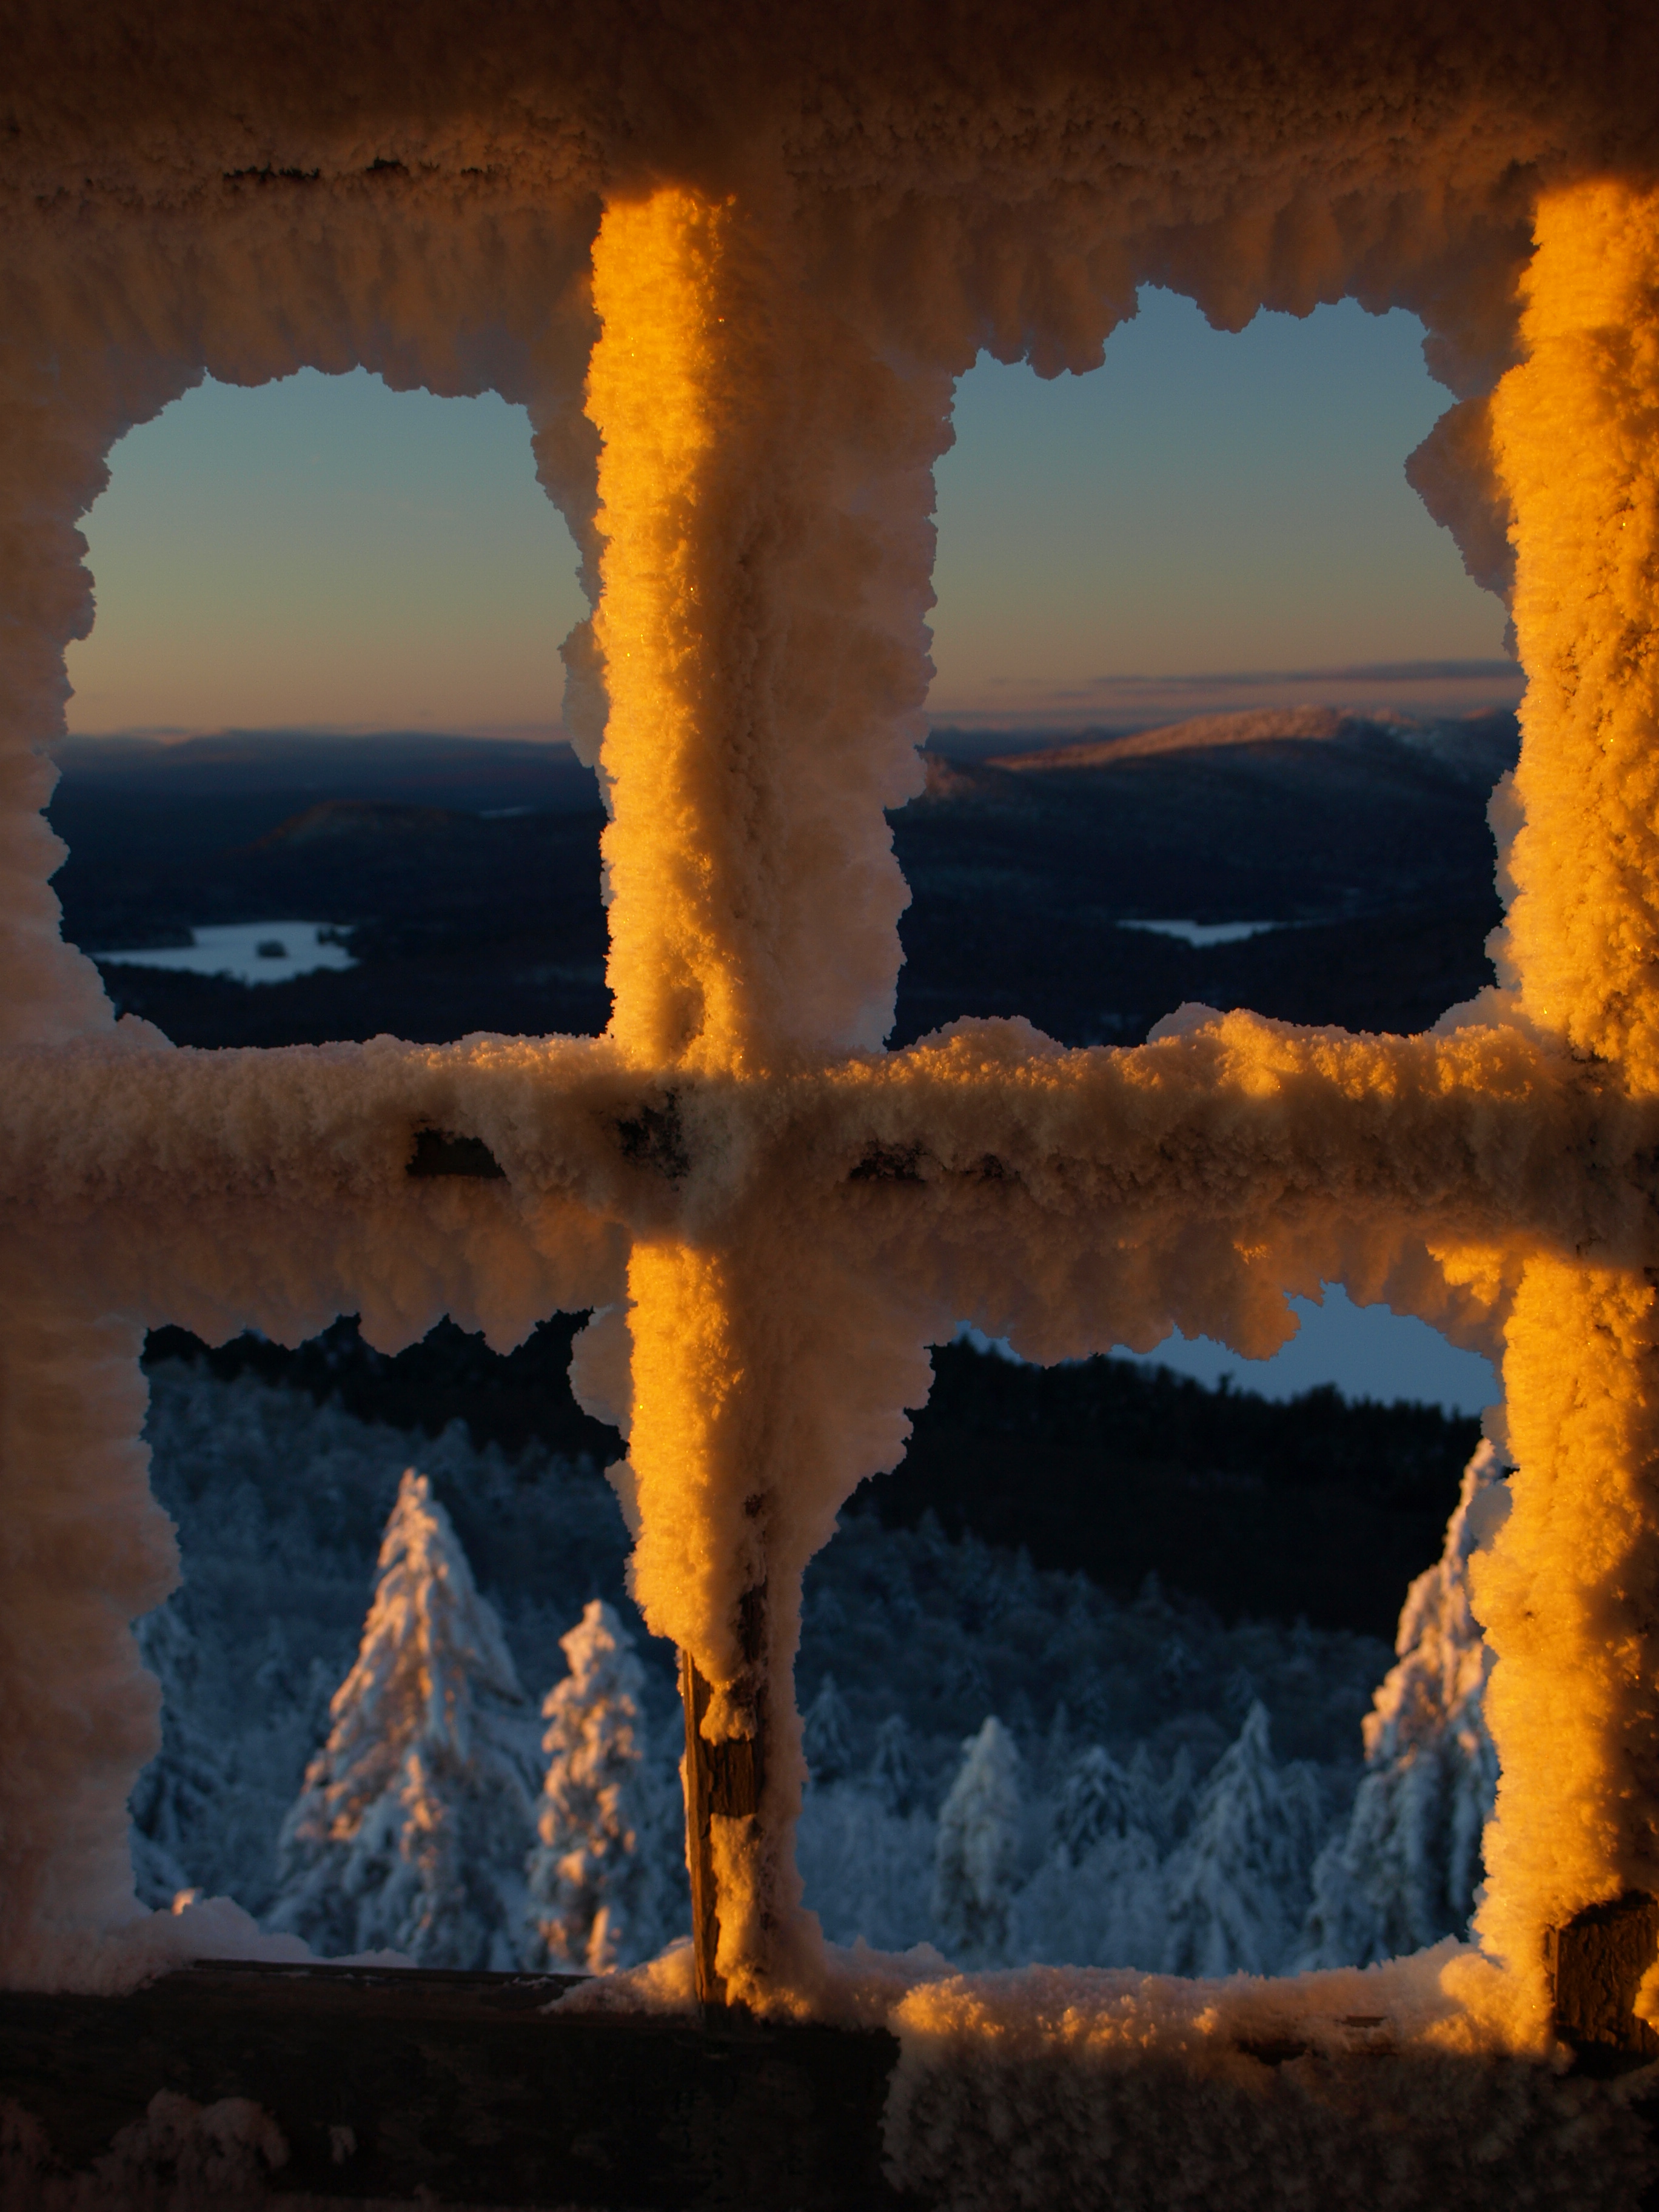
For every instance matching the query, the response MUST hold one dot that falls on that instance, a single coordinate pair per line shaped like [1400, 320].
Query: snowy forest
[409, 1706]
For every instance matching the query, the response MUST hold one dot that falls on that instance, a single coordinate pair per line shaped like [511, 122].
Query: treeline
[1316, 1507]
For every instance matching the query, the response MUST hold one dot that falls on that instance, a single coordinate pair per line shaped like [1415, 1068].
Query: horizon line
[986, 711]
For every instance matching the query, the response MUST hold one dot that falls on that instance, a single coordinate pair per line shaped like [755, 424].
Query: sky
[323, 553]
[1367, 1351]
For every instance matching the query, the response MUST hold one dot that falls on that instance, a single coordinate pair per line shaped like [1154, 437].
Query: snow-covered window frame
[779, 271]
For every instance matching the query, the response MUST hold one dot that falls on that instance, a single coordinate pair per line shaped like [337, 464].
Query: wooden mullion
[699, 1840]
[723, 1780]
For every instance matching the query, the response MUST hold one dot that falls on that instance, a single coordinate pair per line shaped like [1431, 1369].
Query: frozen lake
[1205, 932]
[250, 952]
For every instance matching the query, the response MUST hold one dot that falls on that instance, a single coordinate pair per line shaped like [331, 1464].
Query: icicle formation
[1403, 1872]
[415, 1818]
[595, 1898]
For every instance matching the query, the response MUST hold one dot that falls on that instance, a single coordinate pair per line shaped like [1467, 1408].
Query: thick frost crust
[938, 95]
[1058, 2085]
[731, 261]
[1080, 1198]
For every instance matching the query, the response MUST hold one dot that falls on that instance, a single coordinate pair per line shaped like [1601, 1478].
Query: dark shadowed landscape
[463, 878]
[466, 875]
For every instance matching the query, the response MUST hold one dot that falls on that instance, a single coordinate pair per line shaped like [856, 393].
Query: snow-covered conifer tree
[595, 1897]
[826, 1728]
[1060, 1747]
[1167, 1805]
[177, 1797]
[1403, 1872]
[977, 1845]
[892, 1768]
[1097, 1899]
[410, 1830]
[1093, 1801]
[1236, 1889]
[1147, 1803]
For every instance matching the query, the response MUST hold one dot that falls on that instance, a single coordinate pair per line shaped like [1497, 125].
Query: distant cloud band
[1418, 686]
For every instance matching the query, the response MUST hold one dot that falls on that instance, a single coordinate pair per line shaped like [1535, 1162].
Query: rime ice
[732, 271]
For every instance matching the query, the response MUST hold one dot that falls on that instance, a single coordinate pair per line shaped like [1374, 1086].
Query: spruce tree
[410, 1830]
[826, 1728]
[977, 1847]
[595, 1898]
[1098, 1898]
[1237, 1888]
[1404, 1869]
[1094, 1800]
[892, 1769]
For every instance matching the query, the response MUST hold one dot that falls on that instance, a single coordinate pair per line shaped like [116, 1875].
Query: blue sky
[1205, 502]
[324, 553]
[1367, 1351]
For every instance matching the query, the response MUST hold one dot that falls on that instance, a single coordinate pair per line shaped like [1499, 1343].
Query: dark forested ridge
[1368, 844]
[467, 874]
[1316, 1508]
[509, 1398]
[467, 877]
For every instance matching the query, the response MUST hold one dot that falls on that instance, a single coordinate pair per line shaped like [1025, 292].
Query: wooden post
[699, 1845]
[724, 1781]
[1596, 1965]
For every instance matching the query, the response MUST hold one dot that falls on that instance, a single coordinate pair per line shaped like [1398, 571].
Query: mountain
[467, 876]
[1317, 1507]
[466, 872]
[1366, 844]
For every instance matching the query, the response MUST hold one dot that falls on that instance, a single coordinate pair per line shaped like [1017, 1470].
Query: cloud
[1424, 687]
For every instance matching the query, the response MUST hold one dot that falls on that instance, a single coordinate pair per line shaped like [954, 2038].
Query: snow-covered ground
[1009, 1764]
